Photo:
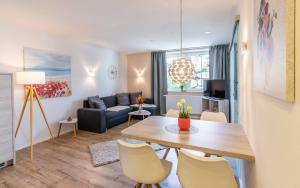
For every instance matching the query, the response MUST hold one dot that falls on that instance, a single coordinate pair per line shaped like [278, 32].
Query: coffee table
[143, 113]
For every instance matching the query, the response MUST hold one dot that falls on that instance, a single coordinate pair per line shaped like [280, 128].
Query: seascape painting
[274, 44]
[57, 69]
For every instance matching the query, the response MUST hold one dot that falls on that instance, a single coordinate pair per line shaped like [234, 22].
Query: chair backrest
[140, 162]
[172, 113]
[214, 116]
[195, 172]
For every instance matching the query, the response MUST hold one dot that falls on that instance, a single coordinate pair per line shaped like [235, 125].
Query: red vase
[184, 124]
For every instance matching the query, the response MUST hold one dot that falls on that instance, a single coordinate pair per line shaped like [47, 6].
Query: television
[214, 88]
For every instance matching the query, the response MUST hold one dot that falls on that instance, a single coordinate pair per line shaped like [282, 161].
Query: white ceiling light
[182, 70]
[207, 32]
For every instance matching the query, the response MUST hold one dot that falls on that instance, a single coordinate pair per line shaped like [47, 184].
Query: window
[200, 58]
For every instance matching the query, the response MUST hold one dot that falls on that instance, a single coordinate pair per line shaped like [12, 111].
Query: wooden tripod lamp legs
[42, 110]
[31, 94]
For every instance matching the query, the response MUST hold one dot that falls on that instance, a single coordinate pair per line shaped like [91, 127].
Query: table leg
[129, 119]
[166, 153]
[75, 130]
[143, 117]
[59, 130]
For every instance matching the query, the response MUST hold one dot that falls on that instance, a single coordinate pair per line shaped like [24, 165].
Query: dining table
[222, 139]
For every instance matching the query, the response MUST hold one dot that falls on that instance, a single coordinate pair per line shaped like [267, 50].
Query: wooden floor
[66, 162]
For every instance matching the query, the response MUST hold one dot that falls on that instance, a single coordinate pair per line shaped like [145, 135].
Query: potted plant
[184, 120]
[140, 101]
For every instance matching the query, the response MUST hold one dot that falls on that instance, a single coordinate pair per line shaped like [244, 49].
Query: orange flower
[140, 99]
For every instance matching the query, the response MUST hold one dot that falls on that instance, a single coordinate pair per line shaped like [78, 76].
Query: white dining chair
[214, 116]
[175, 114]
[141, 164]
[195, 172]
[172, 113]
[209, 116]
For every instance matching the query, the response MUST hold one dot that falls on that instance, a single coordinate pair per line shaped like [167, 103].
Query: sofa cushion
[133, 97]
[110, 101]
[92, 100]
[99, 105]
[112, 114]
[123, 99]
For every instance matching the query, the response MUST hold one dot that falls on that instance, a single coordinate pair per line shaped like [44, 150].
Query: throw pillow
[133, 97]
[93, 99]
[100, 105]
[123, 99]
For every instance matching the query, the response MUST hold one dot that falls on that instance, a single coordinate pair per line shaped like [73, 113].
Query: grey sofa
[95, 117]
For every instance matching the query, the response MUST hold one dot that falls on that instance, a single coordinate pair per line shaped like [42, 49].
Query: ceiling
[126, 25]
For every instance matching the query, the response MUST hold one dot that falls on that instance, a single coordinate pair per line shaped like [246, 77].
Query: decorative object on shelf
[182, 70]
[184, 120]
[274, 49]
[57, 69]
[30, 79]
[70, 118]
[140, 101]
[112, 72]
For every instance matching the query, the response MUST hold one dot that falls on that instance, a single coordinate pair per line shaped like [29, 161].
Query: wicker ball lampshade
[182, 71]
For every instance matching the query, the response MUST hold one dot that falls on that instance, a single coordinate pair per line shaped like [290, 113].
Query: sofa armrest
[149, 101]
[93, 120]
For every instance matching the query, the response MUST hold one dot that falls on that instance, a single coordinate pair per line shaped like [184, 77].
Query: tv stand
[213, 104]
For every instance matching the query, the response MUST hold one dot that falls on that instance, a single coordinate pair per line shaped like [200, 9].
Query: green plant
[184, 112]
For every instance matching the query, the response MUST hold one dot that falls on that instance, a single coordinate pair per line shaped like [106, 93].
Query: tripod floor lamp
[29, 79]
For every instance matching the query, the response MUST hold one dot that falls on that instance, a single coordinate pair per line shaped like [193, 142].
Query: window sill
[193, 93]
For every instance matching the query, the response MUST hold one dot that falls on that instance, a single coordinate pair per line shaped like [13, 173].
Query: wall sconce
[140, 73]
[244, 47]
[91, 71]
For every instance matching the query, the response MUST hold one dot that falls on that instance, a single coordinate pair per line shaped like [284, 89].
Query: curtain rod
[192, 48]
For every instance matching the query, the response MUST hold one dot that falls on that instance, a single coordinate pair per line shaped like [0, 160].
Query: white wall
[139, 73]
[273, 126]
[83, 56]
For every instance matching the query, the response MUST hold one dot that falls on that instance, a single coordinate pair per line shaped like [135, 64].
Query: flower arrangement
[184, 120]
[140, 100]
[184, 112]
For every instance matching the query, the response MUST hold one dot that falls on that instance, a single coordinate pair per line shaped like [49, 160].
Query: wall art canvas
[274, 48]
[57, 69]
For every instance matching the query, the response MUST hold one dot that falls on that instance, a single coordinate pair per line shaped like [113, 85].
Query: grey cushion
[133, 97]
[123, 99]
[100, 105]
[92, 100]
[110, 101]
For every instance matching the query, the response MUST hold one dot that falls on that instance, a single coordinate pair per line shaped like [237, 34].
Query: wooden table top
[210, 137]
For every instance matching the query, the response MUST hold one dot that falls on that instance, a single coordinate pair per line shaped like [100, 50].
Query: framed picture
[274, 48]
[57, 69]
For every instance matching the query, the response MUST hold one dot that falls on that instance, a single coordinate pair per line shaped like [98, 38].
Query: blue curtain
[219, 62]
[159, 79]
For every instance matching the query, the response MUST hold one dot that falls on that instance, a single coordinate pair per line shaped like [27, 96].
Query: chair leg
[138, 185]
[177, 153]
[207, 155]
[148, 185]
[166, 153]
[157, 185]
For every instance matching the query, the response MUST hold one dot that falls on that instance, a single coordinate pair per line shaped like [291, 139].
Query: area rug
[104, 153]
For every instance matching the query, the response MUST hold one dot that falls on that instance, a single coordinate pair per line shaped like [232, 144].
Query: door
[234, 83]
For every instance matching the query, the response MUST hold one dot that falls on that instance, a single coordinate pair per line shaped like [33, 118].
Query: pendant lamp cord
[181, 28]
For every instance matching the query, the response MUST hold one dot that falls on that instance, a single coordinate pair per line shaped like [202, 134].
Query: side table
[66, 122]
